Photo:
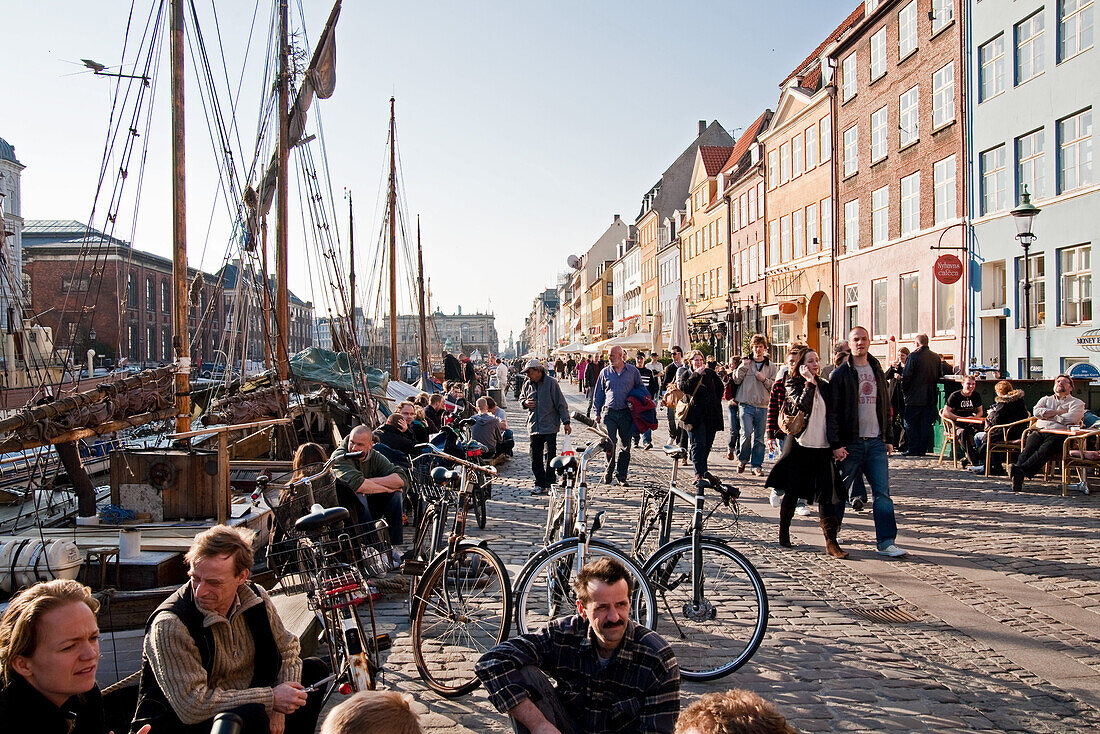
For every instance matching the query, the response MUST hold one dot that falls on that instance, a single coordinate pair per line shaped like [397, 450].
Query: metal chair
[1077, 455]
[997, 439]
[949, 437]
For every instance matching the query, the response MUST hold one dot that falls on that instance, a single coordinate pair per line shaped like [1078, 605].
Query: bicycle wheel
[544, 590]
[462, 609]
[353, 645]
[647, 534]
[720, 634]
[481, 496]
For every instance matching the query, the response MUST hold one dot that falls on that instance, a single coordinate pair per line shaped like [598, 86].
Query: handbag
[791, 424]
[684, 405]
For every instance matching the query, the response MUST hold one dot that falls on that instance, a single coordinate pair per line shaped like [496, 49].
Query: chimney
[616, 219]
[702, 126]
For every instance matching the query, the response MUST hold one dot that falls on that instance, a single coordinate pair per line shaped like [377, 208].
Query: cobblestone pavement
[1004, 589]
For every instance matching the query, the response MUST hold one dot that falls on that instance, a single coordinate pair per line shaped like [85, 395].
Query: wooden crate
[167, 484]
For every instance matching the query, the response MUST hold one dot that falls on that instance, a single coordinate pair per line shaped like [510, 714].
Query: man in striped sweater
[218, 644]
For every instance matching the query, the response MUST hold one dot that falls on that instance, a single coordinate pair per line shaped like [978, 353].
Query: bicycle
[544, 587]
[713, 604]
[465, 447]
[463, 600]
[331, 563]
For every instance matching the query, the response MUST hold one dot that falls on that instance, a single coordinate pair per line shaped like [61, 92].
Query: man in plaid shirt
[612, 674]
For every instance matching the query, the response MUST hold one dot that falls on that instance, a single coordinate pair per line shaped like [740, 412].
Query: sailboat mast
[393, 246]
[282, 358]
[180, 312]
[420, 293]
[351, 266]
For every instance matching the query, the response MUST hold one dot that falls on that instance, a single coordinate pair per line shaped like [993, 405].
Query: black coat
[923, 370]
[706, 405]
[1009, 409]
[400, 441]
[24, 709]
[452, 369]
[809, 473]
[843, 423]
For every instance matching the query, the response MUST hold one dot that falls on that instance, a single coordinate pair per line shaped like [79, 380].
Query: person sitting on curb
[613, 674]
[369, 485]
[487, 430]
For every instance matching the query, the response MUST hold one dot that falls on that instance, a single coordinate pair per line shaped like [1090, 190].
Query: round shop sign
[1084, 371]
[948, 269]
[1090, 340]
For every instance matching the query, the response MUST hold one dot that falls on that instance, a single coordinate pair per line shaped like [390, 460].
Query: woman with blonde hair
[49, 654]
[373, 712]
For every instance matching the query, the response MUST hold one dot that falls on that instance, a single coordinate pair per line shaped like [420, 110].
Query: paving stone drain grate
[891, 614]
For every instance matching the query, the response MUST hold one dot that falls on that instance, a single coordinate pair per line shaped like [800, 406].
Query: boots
[785, 515]
[829, 526]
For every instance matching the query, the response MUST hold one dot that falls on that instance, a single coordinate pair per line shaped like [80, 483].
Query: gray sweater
[551, 410]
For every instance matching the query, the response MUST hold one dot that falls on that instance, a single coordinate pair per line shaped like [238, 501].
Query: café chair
[949, 438]
[1076, 454]
[997, 439]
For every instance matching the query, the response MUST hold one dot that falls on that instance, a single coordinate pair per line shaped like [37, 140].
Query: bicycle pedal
[383, 642]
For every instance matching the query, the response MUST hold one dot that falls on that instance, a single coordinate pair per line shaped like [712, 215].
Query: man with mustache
[613, 674]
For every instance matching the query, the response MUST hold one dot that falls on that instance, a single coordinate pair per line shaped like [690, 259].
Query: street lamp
[732, 338]
[1023, 216]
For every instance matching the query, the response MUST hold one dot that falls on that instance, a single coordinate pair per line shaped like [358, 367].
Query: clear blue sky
[523, 127]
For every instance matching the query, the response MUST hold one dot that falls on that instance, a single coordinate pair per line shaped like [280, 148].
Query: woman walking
[703, 387]
[806, 468]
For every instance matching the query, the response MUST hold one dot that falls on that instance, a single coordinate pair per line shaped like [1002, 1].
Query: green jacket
[352, 472]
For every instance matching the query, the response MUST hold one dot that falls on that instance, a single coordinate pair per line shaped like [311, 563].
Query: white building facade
[11, 249]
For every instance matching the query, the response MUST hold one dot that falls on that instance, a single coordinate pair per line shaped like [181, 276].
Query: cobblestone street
[1003, 588]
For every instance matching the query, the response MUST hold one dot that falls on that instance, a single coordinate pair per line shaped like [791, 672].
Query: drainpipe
[834, 196]
[968, 326]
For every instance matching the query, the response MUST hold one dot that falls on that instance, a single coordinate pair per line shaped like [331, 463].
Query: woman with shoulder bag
[806, 468]
[702, 418]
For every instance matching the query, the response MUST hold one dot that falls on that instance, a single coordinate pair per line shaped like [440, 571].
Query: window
[166, 345]
[851, 225]
[784, 163]
[798, 231]
[910, 304]
[943, 96]
[610, 287]
[1075, 151]
[878, 54]
[1036, 368]
[826, 138]
[907, 30]
[1036, 273]
[827, 223]
[991, 71]
[773, 242]
[878, 308]
[945, 309]
[133, 337]
[132, 302]
[610, 313]
[74, 285]
[851, 307]
[797, 159]
[851, 150]
[1030, 48]
[910, 204]
[848, 78]
[1074, 27]
[150, 297]
[151, 343]
[908, 119]
[943, 175]
[813, 244]
[878, 135]
[943, 12]
[994, 194]
[773, 169]
[752, 205]
[785, 238]
[1029, 165]
[811, 147]
[1075, 288]
[880, 216]
[743, 205]
[780, 338]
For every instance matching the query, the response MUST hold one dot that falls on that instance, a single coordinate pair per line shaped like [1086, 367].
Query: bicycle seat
[443, 475]
[321, 519]
[468, 446]
[561, 463]
[675, 452]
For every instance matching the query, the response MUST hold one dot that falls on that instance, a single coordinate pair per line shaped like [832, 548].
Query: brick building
[899, 164]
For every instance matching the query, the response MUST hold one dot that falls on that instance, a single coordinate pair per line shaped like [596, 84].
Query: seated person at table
[508, 441]
[374, 480]
[395, 441]
[1059, 411]
[1008, 407]
[965, 403]
[486, 428]
[217, 644]
[49, 652]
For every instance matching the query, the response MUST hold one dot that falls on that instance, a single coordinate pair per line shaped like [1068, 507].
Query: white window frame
[811, 147]
[945, 310]
[851, 150]
[798, 233]
[879, 135]
[1038, 290]
[1030, 40]
[943, 12]
[908, 117]
[851, 225]
[785, 249]
[944, 196]
[773, 169]
[880, 216]
[910, 204]
[943, 96]
[851, 307]
[811, 229]
[826, 136]
[826, 209]
[784, 163]
[798, 160]
[880, 289]
[1075, 153]
[993, 178]
[1075, 285]
[991, 68]
[1075, 27]
[1030, 150]
[907, 30]
[904, 282]
[878, 54]
[849, 77]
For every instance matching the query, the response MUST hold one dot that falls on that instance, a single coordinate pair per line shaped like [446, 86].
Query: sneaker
[978, 469]
[893, 551]
[740, 467]
[858, 504]
[623, 483]
[539, 491]
[775, 499]
[757, 471]
[646, 446]
[803, 511]
[730, 456]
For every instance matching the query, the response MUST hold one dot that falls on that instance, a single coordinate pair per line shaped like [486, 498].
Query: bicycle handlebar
[434, 450]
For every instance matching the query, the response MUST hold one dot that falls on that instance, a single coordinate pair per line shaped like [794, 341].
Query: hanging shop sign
[1090, 340]
[948, 269]
[1084, 371]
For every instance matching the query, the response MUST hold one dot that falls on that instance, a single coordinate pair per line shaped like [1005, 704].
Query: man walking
[860, 433]
[754, 377]
[918, 382]
[729, 392]
[650, 380]
[613, 385]
[547, 412]
[669, 380]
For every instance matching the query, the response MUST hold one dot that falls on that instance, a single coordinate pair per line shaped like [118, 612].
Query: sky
[522, 127]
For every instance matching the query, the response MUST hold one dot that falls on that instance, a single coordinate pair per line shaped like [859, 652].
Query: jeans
[1038, 449]
[918, 428]
[387, 505]
[545, 696]
[735, 426]
[867, 458]
[754, 421]
[540, 464]
[700, 441]
[644, 438]
[620, 427]
[507, 443]
[673, 429]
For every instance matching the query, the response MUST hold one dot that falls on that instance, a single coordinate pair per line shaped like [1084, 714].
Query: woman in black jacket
[1009, 407]
[704, 388]
[806, 468]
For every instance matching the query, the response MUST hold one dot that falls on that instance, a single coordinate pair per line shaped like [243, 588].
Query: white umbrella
[679, 335]
[658, 343]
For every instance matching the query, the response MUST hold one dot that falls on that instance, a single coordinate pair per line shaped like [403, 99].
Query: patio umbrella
[679, 335]
[658, 343]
